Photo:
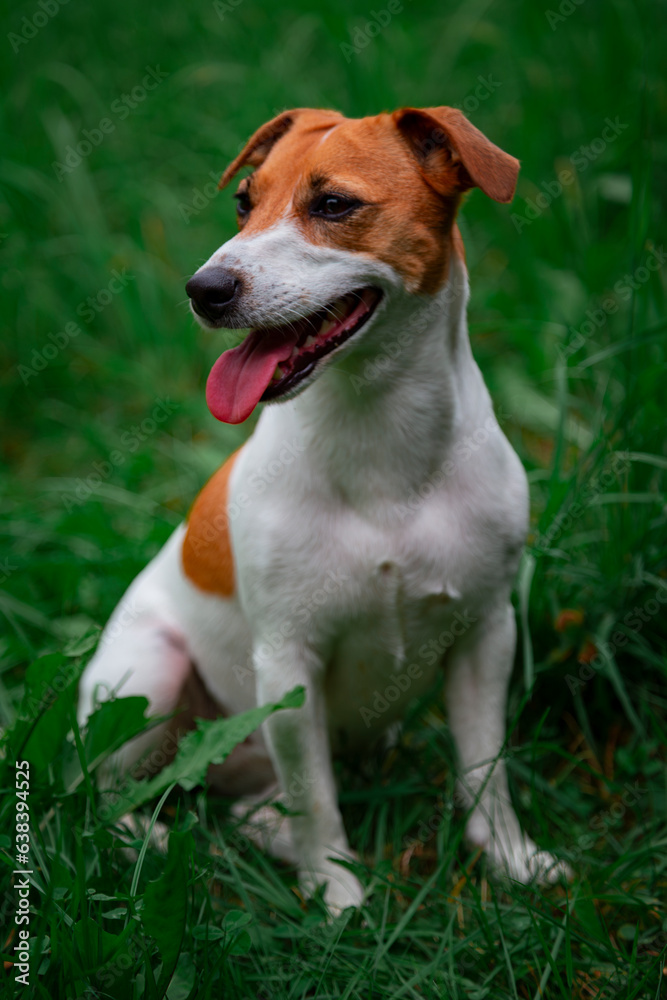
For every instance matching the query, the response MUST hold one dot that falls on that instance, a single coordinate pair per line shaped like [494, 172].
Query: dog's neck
[378, 424]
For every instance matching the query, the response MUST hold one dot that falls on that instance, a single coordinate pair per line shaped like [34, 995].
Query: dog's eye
[243, 205]
[333, 206]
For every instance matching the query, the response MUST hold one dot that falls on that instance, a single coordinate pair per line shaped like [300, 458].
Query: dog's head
[338, 216]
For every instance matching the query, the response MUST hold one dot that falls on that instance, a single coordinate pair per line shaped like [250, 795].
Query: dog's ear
[260, 144]
[454, 155]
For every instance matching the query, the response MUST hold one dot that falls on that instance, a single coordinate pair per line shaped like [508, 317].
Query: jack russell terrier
[357, 531]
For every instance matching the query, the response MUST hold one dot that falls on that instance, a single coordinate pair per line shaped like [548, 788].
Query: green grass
[583, 405]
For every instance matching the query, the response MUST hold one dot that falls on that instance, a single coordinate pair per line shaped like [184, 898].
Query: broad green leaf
[207, 932]
[165, 906]
[108, 728]
[238, 941]
[210, 743]
[112, 724]
[96, 947]
[236, 919]
[183, 981]
[44, 719]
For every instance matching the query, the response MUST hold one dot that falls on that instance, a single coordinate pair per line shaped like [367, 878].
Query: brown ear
[454, 154]
[260, 144]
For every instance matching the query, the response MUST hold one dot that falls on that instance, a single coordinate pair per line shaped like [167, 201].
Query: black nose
[212, 292]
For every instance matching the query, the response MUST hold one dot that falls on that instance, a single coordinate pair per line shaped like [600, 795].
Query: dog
[365, 539]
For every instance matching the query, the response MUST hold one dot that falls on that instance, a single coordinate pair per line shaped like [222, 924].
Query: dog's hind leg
[478, 670]
[139, 654]
[144, 652]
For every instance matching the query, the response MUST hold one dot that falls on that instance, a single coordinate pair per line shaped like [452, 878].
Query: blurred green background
[567, 321]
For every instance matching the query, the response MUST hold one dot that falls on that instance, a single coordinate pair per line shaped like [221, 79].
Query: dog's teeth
[295, 351]
[277, 375]
[328, 325]
[310, 341]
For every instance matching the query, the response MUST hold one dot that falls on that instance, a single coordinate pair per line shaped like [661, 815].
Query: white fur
[373, 517]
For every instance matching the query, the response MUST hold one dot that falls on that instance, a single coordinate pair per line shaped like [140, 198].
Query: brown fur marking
[410, 182]
[208, 560]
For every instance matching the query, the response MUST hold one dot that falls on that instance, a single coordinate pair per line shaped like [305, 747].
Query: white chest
[381, 601]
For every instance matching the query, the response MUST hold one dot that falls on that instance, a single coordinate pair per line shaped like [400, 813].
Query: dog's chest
[395, 576]
[378, 590]
[404, 598]
[381, 599]
[388, 648]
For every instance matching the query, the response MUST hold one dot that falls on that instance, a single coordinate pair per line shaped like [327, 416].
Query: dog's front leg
[299, 746]
[478, 670]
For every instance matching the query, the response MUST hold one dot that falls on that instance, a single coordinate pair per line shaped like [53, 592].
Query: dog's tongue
[240, 376]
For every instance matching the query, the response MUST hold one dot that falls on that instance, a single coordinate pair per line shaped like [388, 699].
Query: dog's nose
[212, 291]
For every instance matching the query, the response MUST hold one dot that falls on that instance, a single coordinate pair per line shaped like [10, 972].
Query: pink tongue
[240, 376]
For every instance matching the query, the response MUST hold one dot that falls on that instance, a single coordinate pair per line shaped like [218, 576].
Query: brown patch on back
[208, 560]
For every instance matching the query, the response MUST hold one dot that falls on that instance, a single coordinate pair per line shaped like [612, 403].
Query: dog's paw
[267, 827]
[511, 853]
[342, 889]
[522, 861]
[546, 869]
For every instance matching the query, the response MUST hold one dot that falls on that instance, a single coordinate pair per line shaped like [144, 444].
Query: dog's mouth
[272, 361]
